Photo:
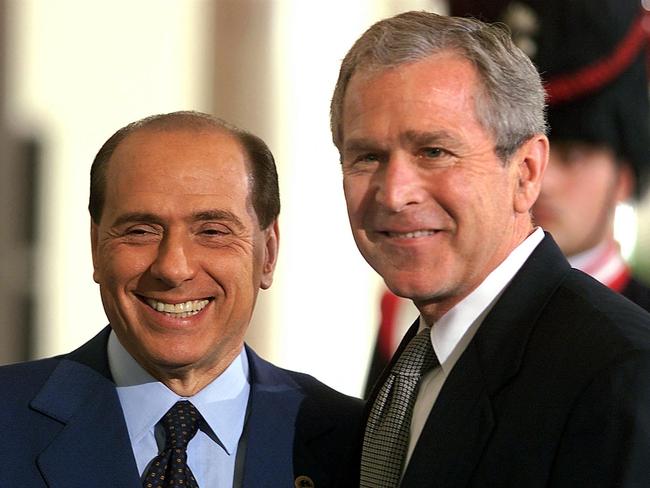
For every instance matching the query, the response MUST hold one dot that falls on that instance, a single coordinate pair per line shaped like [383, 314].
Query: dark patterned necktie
[169, 469]
[387, 431]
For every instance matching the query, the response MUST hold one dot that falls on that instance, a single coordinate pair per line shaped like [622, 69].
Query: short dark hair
[265, 194]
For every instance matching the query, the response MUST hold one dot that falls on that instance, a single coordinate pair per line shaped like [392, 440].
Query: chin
[411, 289]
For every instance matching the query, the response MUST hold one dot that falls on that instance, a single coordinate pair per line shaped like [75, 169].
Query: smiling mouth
[178, 310]
[410, 235]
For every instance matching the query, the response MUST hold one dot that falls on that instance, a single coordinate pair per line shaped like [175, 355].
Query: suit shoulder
[600, 317]
[320, 391]
[638, 292]
[20, 383]
[26, 377]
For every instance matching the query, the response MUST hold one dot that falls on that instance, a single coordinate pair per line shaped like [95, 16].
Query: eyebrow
[137, 217]
[201, 216]
[359, 144]
[412, 137]
[215, 214]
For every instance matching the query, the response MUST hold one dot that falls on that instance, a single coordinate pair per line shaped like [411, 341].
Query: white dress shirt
[451, 334]
[211, 453]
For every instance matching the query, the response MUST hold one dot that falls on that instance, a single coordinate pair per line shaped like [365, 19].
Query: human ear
[94, 238]
[271, 248]
[530, 162]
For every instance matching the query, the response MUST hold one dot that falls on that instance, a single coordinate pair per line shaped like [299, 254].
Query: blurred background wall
[74, 71]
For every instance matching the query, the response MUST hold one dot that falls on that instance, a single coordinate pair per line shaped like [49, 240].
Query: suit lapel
[273, 406]
[456, 431]
[92, 447]
[502, 338]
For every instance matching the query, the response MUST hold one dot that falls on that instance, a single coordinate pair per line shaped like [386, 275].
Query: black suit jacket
[61, 425]
[638, 292]
[552, 391]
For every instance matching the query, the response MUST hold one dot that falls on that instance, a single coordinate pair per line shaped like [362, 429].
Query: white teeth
[182, 310]
[410, 235]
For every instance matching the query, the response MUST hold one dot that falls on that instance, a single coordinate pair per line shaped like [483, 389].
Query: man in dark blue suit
[184, 233]
[520, 371]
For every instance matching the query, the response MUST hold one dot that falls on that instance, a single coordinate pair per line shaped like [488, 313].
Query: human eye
[361, 162]
[363, 159]
[141, 233]
[431, 152]
[213, 232]
[137, 231]
[435, 156]
[367, 158]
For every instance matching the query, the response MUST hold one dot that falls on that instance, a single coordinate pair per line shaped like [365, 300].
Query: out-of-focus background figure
[593, 57]
[598, 95]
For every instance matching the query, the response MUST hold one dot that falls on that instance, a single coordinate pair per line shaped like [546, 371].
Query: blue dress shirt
[212, 452]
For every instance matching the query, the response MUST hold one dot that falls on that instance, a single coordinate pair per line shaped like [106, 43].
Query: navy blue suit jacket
[62, 426]
[552, 391]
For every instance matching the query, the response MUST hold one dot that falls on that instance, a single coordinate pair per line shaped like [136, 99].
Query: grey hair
[511, 100]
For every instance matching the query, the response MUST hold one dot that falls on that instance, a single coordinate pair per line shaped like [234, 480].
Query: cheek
[480, 209]
[115, 266]
[355, 192]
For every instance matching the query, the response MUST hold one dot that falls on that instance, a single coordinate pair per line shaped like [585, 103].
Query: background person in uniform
[521, 371]
[184, 233]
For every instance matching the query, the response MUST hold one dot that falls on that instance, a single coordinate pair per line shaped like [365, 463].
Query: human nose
[399, 184]
[173, 264]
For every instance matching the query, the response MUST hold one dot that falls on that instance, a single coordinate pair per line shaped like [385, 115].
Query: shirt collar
[603, 262]
[454, 330]
[144, 400]
[585, 259]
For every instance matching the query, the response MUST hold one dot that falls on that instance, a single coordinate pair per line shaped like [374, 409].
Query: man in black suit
[520, 370]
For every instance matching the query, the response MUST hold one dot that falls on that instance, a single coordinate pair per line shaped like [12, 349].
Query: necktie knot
[418, 357]
[181, 422]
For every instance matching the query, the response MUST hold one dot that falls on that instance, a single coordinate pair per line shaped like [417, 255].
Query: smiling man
[184, 234]
[520, 370]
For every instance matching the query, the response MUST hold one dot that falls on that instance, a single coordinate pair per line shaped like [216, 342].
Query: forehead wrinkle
[423, 138]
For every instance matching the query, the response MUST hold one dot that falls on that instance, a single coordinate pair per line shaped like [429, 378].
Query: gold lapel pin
[304, 482]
